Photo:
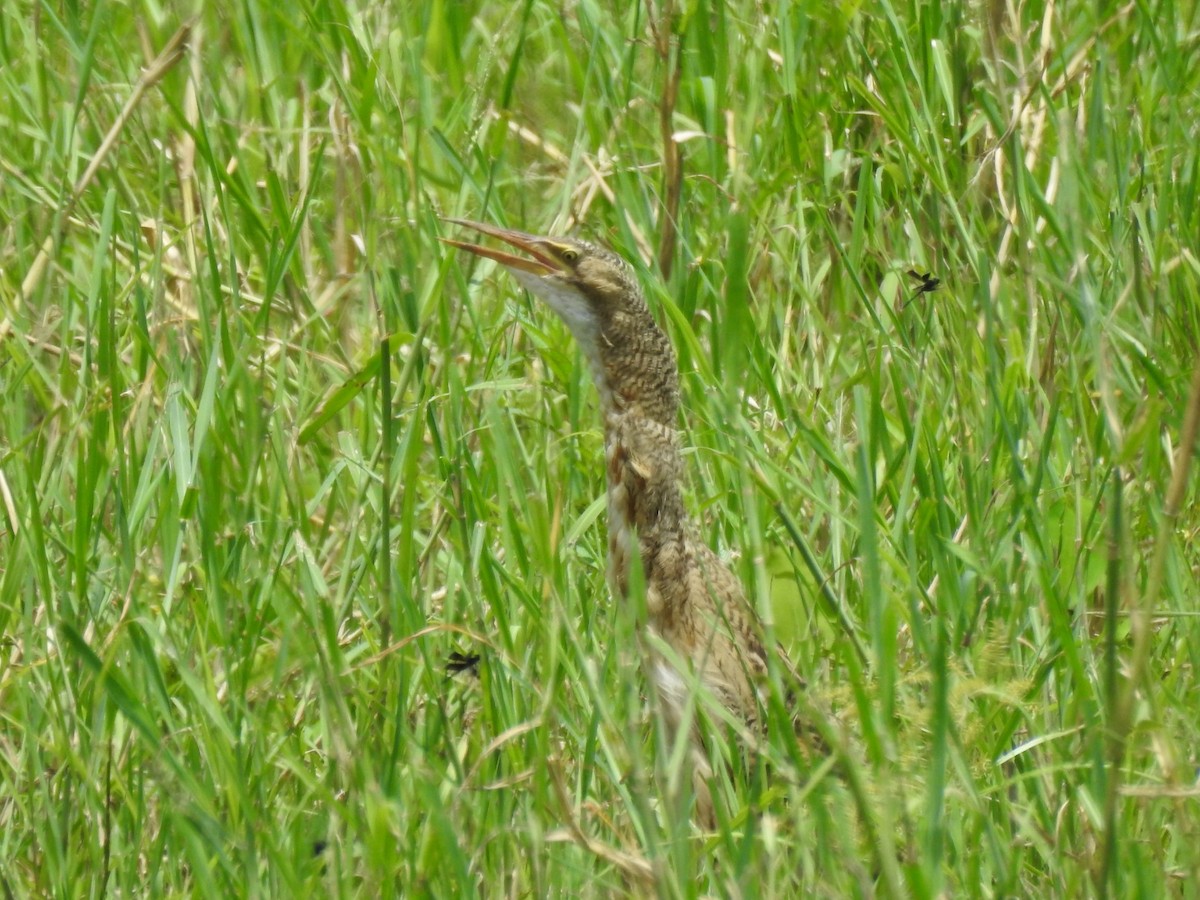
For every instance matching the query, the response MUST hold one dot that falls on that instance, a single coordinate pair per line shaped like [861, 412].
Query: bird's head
[585, 284]
[594, 291]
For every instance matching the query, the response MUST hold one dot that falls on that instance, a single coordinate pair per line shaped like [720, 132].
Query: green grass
[269, 453]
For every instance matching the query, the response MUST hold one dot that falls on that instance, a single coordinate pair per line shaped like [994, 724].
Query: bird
[706, 631]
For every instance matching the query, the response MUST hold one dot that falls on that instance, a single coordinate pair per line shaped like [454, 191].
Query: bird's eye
[569, 255]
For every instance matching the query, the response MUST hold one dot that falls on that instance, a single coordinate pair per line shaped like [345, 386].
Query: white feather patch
[574, 309]
[670, 683]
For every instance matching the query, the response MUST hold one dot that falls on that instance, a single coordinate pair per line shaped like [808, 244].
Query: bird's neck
[647, 519]
[634, 368]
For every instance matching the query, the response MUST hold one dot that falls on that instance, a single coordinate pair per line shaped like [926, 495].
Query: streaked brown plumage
[693, 602]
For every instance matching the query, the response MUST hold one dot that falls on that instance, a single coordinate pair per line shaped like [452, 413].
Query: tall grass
[269, 454]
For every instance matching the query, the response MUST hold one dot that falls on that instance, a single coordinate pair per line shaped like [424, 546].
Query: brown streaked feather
[694, 603]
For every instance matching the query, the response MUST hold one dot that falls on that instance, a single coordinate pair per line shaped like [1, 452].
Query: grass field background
[270, 453]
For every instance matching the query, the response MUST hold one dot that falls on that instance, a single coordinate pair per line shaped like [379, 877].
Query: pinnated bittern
[694, 603]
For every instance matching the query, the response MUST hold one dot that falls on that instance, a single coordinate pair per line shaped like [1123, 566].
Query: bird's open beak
[541, 264]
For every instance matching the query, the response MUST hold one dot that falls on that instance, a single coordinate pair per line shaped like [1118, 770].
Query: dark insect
[462, 662]
[928, 282]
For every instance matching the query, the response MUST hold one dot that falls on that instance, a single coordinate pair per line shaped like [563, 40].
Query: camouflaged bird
[694, 604]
